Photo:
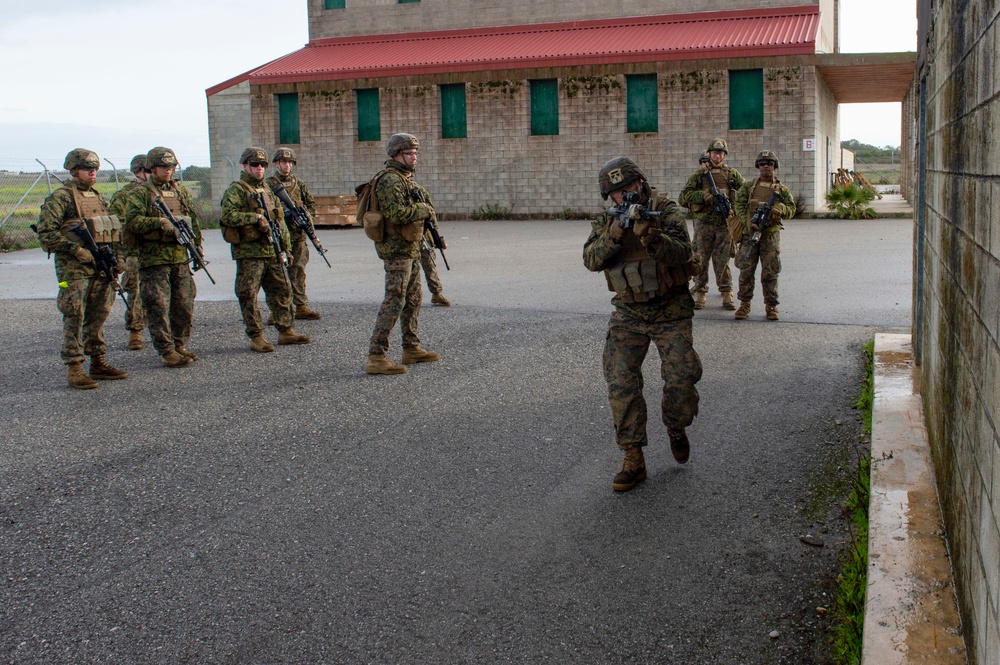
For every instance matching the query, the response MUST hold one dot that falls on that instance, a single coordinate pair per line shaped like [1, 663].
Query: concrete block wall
[229, 123]
[959, 297]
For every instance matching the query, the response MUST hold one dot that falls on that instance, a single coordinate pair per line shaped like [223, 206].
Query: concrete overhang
[861, 78]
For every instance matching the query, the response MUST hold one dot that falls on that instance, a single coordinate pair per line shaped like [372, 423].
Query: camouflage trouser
[85, 305]
[297, 268]
[168, 293]
[135, 313]
[768, 253]
[402, 303]
[680, 367]
[251, 276]
[429, 263]
[712, 242]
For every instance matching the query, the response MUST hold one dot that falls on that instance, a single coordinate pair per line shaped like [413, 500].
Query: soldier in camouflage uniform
[712, 241]
[245, 226]
[763, 245]
[647, 265]
[85, 295]
[284, 161]
[405, 206]
[166, 284]
[135, 315]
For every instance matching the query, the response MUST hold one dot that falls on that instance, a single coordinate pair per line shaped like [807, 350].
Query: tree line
[870, 153]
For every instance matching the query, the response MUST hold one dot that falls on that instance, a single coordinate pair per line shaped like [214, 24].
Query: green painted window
[746, 99]
[544, 107]
[369, 123]
[641, 106]
[333, 4]
[288, 118]
[453, 111]
[405, 1]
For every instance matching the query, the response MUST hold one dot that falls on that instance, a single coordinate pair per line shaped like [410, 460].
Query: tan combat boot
[772, 312]
[439, 299]
[190, 355]
[103, 371]
[270, 319]
[286, 337]
[699, 301]
[414, 354]
[679, 444]
[78, 379]
[633, 470]
[744, 310]
[135, 340]
[303, 313]
[173, 359]
[379, 364]
[727, 301]
[261, 345]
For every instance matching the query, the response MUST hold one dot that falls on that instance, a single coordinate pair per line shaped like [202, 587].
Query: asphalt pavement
[288, 508]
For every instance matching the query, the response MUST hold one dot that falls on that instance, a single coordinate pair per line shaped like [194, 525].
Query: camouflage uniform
[768, 250]
[257, 265]
[299, 256]
[135, 313]
[712, 241]
[429, 264]
[167, 286]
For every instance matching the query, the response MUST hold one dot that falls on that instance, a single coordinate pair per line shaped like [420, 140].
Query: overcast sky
[120, 77]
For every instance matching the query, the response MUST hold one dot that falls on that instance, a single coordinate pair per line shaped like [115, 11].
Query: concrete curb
[911, 614]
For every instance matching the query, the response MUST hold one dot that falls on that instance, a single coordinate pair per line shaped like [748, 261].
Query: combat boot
[772, 312]
[286, 337]
[135, 340]
[414, 354]
[270, 319]
[439, 299]
[303, 313]
[744, 310]
[190, 355]
[173, 359]
[679, 444]
[727, 301]
[379, 364]
[699, 301]
[78, 378]
[103, 371]
[261, 345]
[633, 470]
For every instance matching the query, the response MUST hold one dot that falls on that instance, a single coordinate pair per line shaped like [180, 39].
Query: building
[517, 107]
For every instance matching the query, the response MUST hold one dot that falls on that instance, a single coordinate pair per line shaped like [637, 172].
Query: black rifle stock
[629, 211]
[104, 258]
[185, 236]
[274, 235]
[430, 225]
[762, 216]
[300, 218]
[722, 204]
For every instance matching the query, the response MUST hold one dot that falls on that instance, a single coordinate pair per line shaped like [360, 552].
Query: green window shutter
[369, 122]
[405, 1]
[544, 107]
[641, 104]
[333, 4]
[288, 118]
[453, 111]
[746, 99]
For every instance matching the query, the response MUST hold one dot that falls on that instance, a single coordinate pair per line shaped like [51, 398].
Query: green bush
[851, 201]
[492, 211]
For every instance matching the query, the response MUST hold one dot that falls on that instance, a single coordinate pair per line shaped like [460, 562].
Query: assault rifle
[430, 225]
[274, 236]
[721, 202]
[298, 216]
[104, 258]
[762, 216]
[185, 236]
[629, 211]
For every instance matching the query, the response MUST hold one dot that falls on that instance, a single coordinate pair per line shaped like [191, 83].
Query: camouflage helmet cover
[284, 155]
[704, 158]
[82, 158]
[398, 142]
[617, 173]
[764, 155]
[253, 154]
[138, 163]
[718, 144]
[160, 156]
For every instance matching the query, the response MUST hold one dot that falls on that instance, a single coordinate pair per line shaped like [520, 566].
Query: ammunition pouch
[374, 225]
[410, 232]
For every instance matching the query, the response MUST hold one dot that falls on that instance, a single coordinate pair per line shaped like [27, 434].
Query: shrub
[492, 211]
[851, 201]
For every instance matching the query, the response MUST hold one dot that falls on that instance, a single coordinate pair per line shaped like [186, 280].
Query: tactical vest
[413, 231]
[292, 187]
[721, 178]
[250, 232]
[171, 198]
[91, 211]
[759, 193]
[637, 277]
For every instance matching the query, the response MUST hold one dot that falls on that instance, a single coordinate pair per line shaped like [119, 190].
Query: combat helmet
[160, 156]
[704, 158]
[137, 164]
[253, 154]
[284, 155]
[766, 155]
[718, 144]
[620, 172]
[399, 142]
[81, 158]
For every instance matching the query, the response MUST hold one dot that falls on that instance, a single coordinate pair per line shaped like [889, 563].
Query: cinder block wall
[229, 132]
[959, 297]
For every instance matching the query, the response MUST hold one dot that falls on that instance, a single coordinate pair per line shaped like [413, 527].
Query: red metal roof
[728, 34]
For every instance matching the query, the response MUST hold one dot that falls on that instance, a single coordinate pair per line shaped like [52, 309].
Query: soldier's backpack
[367, 209]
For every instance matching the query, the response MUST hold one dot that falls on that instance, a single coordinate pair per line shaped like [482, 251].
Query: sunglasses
[258, 164]
[767, 162]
